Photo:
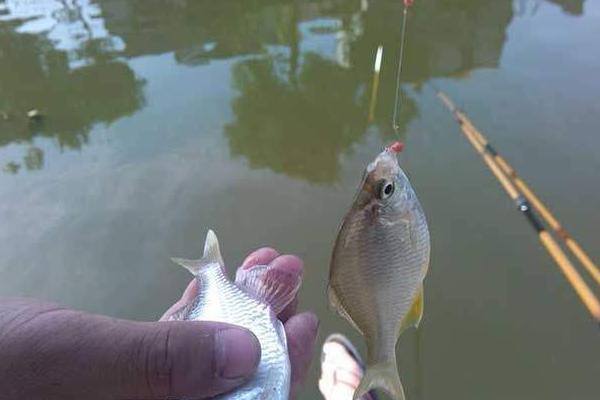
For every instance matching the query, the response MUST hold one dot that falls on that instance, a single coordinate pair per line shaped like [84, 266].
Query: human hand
[301, 329]
[48, 352]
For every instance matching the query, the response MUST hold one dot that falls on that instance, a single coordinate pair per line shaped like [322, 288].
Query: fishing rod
[552, 221]
[561, 232]
[489, 156]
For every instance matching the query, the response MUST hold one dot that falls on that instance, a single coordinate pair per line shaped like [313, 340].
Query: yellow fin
[413, 318]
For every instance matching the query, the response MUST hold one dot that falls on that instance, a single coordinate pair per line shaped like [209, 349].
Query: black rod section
[524, 206]
[491, 150]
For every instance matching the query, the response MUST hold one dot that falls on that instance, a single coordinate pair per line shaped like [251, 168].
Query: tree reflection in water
[71, 88]
[295, 111]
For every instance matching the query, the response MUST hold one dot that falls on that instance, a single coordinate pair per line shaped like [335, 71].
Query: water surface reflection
[303, 93]
[56, 59]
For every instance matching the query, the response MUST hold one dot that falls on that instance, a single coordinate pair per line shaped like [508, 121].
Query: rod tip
[396, 147]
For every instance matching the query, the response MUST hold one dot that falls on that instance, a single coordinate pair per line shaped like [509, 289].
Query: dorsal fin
[270, 285]
[212, 255]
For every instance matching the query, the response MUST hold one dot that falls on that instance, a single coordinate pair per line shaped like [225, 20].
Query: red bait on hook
[397, 147]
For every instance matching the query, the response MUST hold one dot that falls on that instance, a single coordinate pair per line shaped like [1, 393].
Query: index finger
[190, 292]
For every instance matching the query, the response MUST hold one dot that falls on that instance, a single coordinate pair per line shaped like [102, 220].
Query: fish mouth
[385, 165]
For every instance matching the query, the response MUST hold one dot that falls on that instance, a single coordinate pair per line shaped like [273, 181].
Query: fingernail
[238, 353]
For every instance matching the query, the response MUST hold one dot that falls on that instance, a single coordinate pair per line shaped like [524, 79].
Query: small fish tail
[383, 376]
[212, 255]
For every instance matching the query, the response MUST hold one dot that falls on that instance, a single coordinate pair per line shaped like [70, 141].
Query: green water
[249, 117]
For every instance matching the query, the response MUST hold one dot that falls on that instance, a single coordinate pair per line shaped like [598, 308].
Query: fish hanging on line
[380, 259]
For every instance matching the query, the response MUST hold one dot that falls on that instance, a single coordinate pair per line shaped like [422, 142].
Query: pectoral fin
[409, 224]
[410, 227]
[412, 233]
[413, 318]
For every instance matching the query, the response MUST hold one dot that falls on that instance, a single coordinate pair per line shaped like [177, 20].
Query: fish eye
[386, 189]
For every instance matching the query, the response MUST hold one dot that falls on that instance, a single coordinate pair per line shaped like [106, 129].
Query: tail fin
[212, 254]
[381, 376]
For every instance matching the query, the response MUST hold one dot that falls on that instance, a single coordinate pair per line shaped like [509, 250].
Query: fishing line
[397, 100]
[419, 368]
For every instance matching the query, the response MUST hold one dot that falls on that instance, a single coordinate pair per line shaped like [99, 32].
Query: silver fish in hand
[379, 262]
[253, 302]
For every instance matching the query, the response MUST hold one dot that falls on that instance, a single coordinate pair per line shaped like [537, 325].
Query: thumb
[192, 360]
[68, 355]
